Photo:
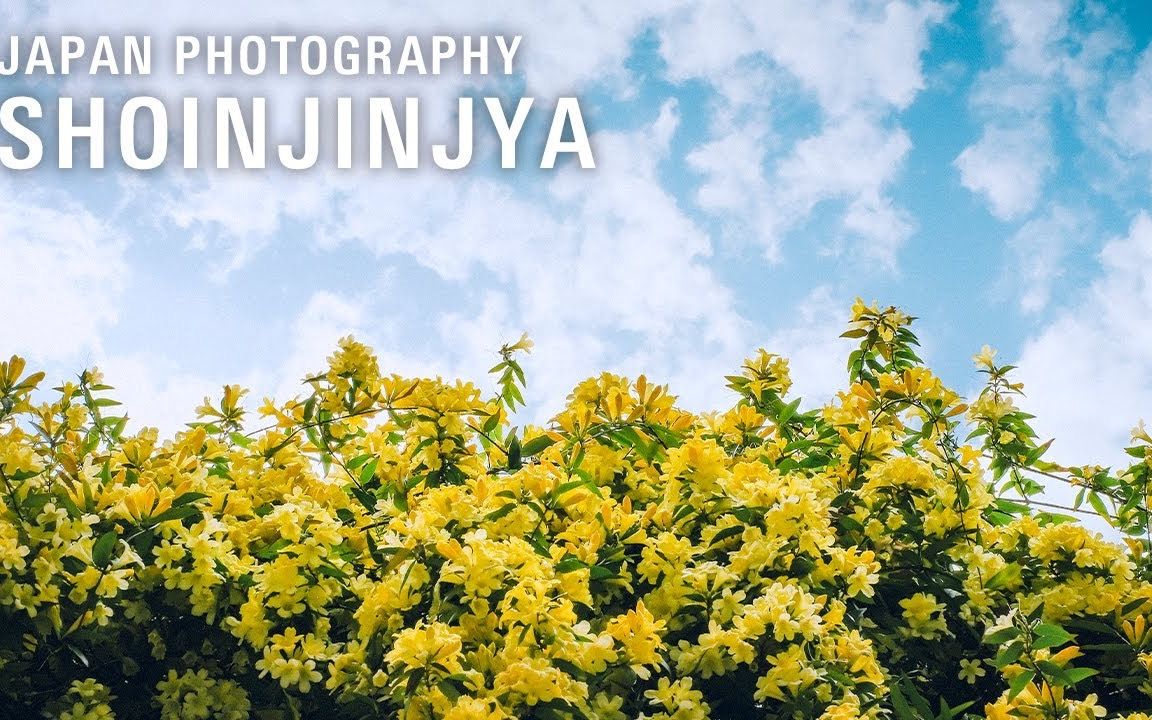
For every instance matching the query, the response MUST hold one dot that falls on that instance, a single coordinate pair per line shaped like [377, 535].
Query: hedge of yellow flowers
[392, 547]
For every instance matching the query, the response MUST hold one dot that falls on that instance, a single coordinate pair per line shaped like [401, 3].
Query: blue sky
[985, 165]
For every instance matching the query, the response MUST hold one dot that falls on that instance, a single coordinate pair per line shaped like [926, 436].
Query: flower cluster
[383, 546]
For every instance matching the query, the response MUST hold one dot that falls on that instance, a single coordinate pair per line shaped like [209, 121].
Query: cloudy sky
[985, 165]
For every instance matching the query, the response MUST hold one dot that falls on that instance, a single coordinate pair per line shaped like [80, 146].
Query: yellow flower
[971, 671]
[430, 646]
[638, 632]
[379, 548]
[984, 359]
[924, 616]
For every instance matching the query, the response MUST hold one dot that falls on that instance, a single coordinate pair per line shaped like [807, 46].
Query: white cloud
[1013, 158]
[850, 54]
[1088, 373]
[1038, 252]
[62, 273]
[734, 188]
[861, 62]
[849, 155]
[852, 160]
[1030, 31]
[249, 210]
[156, 391]
[613, 252]
[1047, 61]
[1128, 112]
[816, 353]
[855, 160]
[882, 224]
[810, 340]
[1008, 166]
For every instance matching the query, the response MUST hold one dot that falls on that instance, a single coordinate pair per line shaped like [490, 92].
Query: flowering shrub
[392, 547]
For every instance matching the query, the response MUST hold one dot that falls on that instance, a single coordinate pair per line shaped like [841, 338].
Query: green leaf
[358, 461]
[1001, 636]
[79, 655]
[1017, 685]
[515, 453]
[500, 512]
[269, 552]
[569, 564]
[1098, 505]
[491, 423]
[599, 572]
[449, 689]
[1008, 575]
[728, 532]
[1048, 635]
[900, 705]
[1052, 672]
[1075, 675]
[917, 700]
[103, 547]
[240, 439]
[367, 499]
[788, 411]
[332, 571]
[175, 513]
[1010, 654]
[187, 498]
[564, 488]
[368, 471]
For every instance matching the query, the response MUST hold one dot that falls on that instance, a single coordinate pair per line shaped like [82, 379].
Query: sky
[987, 166]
